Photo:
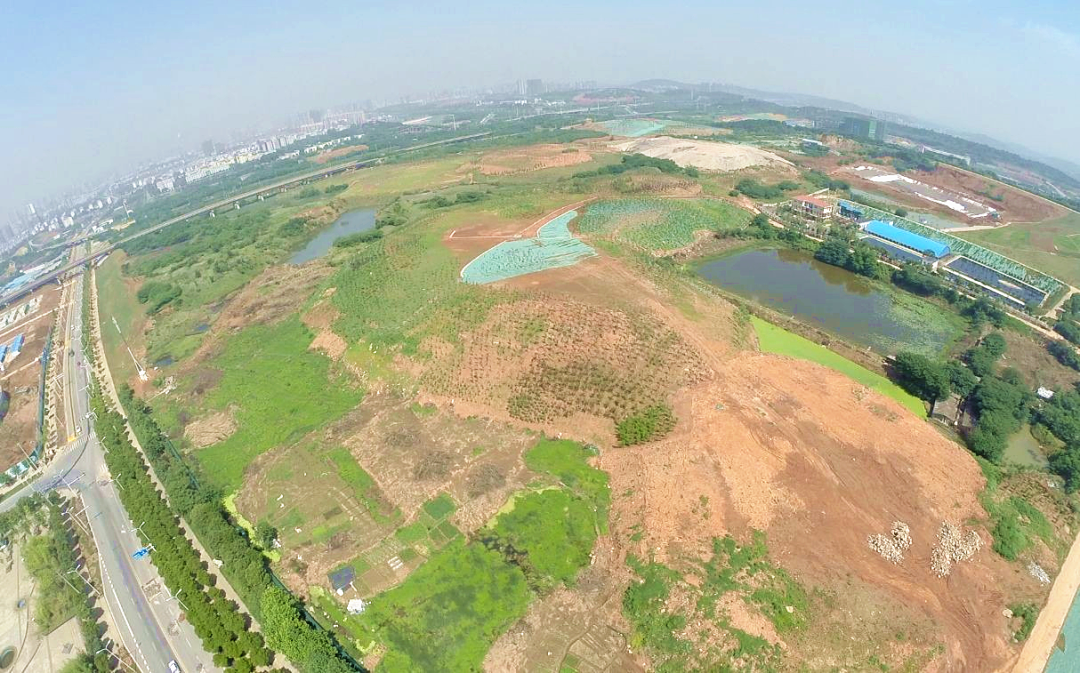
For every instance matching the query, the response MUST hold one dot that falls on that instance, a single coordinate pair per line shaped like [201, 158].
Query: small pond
[352, 222]
[834, 300]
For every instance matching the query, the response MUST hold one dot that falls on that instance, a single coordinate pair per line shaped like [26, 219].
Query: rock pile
[952, 547]
[1036, 571]
[892, 548]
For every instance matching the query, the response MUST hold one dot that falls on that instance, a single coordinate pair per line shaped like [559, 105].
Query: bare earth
[713, 156]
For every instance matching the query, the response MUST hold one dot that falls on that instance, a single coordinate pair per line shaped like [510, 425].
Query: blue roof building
[907, 239]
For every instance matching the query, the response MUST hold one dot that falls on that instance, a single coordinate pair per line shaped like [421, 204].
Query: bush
[157, 295]
[650, 424]
[359, 237]
[1068, 329]
[1064, 354]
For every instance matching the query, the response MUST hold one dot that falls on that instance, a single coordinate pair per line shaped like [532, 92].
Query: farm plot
[552, 247]
[659, 224]
[326, 509]
[447, 614]
[544, 360]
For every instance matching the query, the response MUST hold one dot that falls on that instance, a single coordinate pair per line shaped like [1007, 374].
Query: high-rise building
[534, 87]
[31, 210]
[864, 128]
[208, 148]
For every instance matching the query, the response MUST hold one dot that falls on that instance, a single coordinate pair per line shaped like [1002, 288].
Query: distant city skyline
[94, 91]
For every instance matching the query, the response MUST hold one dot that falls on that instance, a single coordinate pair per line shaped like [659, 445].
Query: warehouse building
[913, 243]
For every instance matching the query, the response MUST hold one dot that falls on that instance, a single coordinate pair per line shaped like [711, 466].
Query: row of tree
[285, 623]
[219, 624]
[852, 255]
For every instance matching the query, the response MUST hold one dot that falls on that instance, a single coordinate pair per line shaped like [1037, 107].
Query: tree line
[284, 621]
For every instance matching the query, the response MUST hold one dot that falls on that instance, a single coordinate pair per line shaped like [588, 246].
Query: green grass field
[115, 300]
[1052, 247]
[773, 339]
[282, 389]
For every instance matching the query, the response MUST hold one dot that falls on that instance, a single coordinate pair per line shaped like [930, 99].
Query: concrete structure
[813, 207]
[1044, 393]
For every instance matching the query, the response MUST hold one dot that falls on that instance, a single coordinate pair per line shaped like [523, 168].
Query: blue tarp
[906, 238]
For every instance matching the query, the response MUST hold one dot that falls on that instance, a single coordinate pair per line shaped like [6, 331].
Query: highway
[147, 621]
[265, 189]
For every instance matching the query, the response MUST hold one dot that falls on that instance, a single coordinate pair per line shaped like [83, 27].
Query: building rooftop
[814, 200]
[906, 238]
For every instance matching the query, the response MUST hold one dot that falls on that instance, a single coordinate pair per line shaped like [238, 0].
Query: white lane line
[120, 609]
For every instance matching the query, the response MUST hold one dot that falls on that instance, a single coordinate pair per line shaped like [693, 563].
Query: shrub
[651, 423]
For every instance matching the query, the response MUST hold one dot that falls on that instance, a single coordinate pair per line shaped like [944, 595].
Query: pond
[352, 222]
[1024, 450]
[835, 300]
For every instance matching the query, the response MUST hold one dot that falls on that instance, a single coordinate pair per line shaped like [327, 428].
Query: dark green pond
[351, 222]
[834, 300]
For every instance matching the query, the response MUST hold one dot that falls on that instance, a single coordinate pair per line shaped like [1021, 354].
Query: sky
[88, 92]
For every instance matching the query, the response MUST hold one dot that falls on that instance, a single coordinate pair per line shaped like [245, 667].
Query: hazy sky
[89, 90]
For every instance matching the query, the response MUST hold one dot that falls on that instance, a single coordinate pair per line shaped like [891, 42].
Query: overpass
[264, 190]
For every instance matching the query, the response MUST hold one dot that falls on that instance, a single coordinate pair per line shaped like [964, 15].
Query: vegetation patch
[648, 425]
[283, 391]
[677, 616]
[660, 224]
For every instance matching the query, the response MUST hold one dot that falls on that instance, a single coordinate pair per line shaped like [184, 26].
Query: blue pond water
[351, 222]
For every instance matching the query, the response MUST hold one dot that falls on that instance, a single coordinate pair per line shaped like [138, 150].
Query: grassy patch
[449, 611]
[549, 534]
[440, 507]
[773, 339]
[567, 461]
[283, 390]
[1052, 247]
[117, 301]
[1027, 613]
[1016, 525]
[660, 224]
[645, 426]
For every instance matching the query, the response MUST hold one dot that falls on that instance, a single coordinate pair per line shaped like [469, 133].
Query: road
[147, 621]
[265, 189]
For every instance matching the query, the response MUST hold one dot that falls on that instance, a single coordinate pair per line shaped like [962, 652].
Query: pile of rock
[953, 547]
[892, 548]
[1036, 571]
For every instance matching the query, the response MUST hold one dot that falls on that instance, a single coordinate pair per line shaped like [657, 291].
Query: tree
[982, 357]
[1068, 329]
[1066, 464]
[265, 534]
[961, 380]
[833, 251]
[991, 436]
[901, 212]
[921, 376]
[1065, 354]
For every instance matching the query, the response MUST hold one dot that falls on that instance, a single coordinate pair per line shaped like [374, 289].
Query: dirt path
[1040, 643]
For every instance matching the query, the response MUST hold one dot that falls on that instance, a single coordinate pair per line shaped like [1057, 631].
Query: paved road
[148, 623]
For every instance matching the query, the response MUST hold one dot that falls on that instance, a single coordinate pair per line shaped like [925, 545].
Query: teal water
[352, 222]
[1067, 660]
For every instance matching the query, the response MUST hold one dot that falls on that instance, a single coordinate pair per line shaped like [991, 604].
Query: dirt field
[816, 461]
[532, 158]
[330, 155]
[713, 156]
[1016, 205]
[18, 430]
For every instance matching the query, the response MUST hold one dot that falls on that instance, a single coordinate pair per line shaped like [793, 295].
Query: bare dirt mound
[211, 429]
[530, 159]
[819, 463]
[713, 156]
[320, 319]
[330, 155]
